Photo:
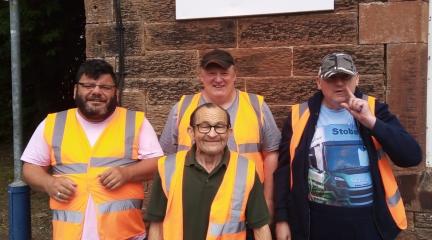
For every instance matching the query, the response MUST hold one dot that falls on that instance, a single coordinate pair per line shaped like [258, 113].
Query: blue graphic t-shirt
[339, 172]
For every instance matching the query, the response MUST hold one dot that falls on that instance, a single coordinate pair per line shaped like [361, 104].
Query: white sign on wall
[191, 9]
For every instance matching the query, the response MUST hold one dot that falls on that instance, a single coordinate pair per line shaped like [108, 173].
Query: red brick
[262, 62]
[157, 11]
[280, 113]
[408, 185]
[163, 91]
[407, 235]
[373, 85]
[154, 64]
[369, 59]
[99, 11]
[157, 115]
[134, 99]
[406, 73]
[282, 91]
[101, 39]
[395, 22]
[345, 5]
[131, 10]
[196, 34]
[423, 220]
[298, 29]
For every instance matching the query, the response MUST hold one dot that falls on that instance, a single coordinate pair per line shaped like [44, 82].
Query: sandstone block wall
[278, 56]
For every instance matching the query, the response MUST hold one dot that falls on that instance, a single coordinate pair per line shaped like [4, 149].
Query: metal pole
[18, 191]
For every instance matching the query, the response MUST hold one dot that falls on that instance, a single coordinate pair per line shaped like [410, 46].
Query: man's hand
[61, 189]
[359, 109]
[114, 177]
[283, 231]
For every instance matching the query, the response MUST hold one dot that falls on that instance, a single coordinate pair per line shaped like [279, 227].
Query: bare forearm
[155, 231]
[36, 176]
[270, 165]
[143, 170]
[262, 233]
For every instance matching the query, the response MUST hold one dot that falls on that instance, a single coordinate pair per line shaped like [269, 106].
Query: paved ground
[41, 216]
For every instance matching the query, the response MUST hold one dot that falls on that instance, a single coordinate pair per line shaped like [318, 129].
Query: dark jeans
[328, 222]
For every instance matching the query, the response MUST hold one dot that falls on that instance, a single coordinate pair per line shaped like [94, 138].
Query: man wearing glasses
[334, 179]
[91, 161]
[207, 192]
[255, 134]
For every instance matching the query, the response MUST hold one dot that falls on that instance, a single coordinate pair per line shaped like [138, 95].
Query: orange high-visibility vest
[227, 212]
[246, 128]
[300, 115]
[74, 158]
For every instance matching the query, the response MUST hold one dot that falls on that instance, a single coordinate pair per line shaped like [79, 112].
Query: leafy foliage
[52, 47]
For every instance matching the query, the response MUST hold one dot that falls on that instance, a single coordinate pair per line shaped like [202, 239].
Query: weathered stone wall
[278, 57]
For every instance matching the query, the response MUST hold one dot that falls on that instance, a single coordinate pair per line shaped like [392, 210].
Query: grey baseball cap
[336, 63]
[218, 57]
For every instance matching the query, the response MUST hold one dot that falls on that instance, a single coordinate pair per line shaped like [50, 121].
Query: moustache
[95, 99]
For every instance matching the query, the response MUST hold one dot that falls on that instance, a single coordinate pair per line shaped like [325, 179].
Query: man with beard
[91, 161]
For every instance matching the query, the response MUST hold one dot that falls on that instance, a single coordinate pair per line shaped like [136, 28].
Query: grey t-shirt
[269, 140]
[339, 173]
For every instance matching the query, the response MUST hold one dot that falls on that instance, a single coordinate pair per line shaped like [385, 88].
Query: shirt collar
[191, 160]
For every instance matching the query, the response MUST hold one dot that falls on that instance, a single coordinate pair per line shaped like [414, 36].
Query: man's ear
[200, 73]
[229, 132]
[318, 82]
[235, 72]
[191, 133]
[75, 91]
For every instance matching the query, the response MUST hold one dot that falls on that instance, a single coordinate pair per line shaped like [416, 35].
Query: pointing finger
[349, 92]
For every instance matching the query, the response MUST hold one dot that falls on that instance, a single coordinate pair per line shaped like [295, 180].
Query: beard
[98, 113]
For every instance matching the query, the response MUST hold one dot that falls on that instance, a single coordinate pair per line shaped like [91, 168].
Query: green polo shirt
[199, 190]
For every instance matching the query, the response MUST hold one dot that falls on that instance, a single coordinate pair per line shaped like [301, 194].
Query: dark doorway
[52, 47]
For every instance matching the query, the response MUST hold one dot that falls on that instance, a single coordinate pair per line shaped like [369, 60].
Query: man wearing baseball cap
[334, 179]
[255, 134]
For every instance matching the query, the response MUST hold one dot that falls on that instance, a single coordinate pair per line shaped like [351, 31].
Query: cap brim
[223, 64]
[336, 71]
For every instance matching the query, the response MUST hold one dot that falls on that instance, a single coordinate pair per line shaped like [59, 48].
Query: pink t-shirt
[37, 152]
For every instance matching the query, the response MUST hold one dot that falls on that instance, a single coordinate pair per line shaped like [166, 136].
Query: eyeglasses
[206, 128]
[91, 86]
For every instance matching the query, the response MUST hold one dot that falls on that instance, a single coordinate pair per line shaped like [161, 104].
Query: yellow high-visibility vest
[74, 158]
[246, 128]
[227, 211]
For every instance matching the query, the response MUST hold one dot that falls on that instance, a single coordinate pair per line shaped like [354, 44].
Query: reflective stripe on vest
[110, 162]
[244, 140]
[227, 228]
[253, 98]
[299, 118]
[67, 216]
[121, 205]
[76, 168]
[57, 139]
[224, 219]
[235, 225]
[170, 165]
